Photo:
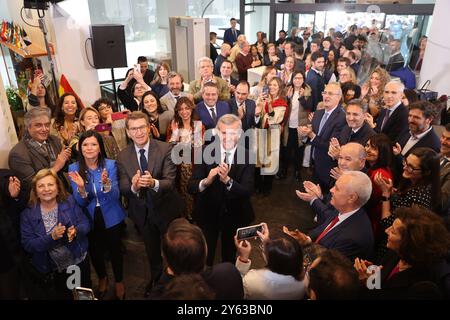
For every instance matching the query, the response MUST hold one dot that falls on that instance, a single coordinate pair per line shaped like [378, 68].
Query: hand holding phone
[248, 232]
[80, 293]
[119, 115]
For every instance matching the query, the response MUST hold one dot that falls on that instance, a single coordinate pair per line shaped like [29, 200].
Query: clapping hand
[223, 170]
[58, 232]
[71, 233]
[334, 149]
[14, 187]
[336, 173]
[361, 267]
[301, 238]
[386, 185]
[397, 149]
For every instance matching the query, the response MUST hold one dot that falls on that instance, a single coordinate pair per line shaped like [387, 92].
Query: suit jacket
[216, 199]
[396, 125]
[395, 62]
[195, 89]
[248, 121]
[229, 37]
[317, 84]
[430, 140]
[168, 101]
[323, 163]
[202, 111]
[353, 237]
[361, 136]
[167, 204]
[213, 52]
[26, 162]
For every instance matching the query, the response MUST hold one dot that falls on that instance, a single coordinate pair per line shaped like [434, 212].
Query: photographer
[54, 232]
[131, 100]
[282, 278]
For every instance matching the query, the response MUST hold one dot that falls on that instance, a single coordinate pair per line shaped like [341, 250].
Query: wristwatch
[229, 183]
[383, 198]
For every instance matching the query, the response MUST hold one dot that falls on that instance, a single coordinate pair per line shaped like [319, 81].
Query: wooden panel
[31, 51]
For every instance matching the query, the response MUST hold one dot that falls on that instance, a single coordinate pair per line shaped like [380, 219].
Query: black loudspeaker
[108, 46]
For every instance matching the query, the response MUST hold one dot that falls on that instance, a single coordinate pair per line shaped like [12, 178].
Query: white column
[7, 131]
[436, 62]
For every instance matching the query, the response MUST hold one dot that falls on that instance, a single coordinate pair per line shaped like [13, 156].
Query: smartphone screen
[248, 232]
[103, 127]
[84, 294]
[119, 115]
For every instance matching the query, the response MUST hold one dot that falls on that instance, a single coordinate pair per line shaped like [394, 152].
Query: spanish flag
[65, 87]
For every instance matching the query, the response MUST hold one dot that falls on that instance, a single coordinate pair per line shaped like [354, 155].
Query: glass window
[257, 19]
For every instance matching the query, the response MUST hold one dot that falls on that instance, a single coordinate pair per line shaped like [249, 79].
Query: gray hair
[398, 83]
[242, 44]
[360, 184]
[174, 74]
[337, 85]
[229, 119]
[205, 59]
[36, 113]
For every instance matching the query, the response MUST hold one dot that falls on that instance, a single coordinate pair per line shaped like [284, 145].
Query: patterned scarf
[45, 149]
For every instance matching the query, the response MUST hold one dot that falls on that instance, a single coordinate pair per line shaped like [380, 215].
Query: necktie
[444, 161]
[225, 158]
[177, 98]
[213, 114]
[322, 122]
[324, 232]
[234, 35]
[143, 160]
[385, 119]
[243, 107]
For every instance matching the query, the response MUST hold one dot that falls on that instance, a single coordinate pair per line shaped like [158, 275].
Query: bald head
[352, 157]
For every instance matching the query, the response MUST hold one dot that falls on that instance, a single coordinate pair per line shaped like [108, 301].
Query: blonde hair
[384, 79]
[352, 74]
[83, 113]
[62, 193]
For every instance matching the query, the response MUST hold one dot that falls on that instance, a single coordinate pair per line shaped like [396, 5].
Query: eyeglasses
[328, 93]
[42, 125]
[104, 107]
[136, 129]
[409, 167]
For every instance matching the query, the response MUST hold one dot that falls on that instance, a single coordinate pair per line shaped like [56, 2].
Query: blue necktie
[322, 122]
[143, 160]
[385, 119]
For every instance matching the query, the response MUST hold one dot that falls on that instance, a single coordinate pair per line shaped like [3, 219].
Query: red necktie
[324, 232]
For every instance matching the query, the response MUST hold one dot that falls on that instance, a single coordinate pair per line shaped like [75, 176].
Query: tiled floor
[281, 208]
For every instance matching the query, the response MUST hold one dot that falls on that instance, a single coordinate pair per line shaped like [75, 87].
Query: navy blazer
[229, 38]
[248, 121]
[37, 242]
[323, 163]
[430, 140]
[110, 204]
[361, 136]
[353, 237]
[396, 125]
[317, 84]
[222, 108]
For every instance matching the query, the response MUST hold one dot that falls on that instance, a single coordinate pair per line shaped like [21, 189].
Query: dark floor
[281, 208]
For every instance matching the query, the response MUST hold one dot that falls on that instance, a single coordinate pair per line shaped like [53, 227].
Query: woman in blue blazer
[95, 187]
[54, 232]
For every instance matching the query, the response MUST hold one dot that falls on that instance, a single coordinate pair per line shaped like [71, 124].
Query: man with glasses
[393, 119]
[147, 179]
[326, 124]
[421, 132]
[38, 149]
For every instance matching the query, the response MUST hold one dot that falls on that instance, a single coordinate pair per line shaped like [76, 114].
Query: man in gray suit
[37, 149]
[147, 179]
[175, 84]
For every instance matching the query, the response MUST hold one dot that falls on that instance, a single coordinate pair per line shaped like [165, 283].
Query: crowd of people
[379, 184]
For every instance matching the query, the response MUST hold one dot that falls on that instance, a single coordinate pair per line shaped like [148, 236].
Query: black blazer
[361, 136]
[167, 204]
[323, 163]
[353, 237]
[317, 84]
[396, 125]
[216, 199]
[248, 121]
[430, 140]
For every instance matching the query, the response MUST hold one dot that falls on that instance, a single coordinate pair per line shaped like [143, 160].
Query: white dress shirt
[138, 154]
[413, 140]
[202, 186]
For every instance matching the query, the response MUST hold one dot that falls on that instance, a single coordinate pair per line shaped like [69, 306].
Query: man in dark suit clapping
[223, 184]
[244, 108]
[147, 178]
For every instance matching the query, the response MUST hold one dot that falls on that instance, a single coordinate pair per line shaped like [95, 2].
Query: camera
[248, 232]
[80, 293]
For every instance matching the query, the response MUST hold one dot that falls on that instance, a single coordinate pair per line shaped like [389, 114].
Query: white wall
[436, 64]
[7, 131]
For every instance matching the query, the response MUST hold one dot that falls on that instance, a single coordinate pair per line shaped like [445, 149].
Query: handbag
[425, 94]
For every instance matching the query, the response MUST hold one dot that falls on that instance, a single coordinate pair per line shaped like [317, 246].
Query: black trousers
[102, 240]
[152, 241]
[292, 153]
[225, 227]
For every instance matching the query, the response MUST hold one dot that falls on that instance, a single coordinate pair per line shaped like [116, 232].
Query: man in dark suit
[396, 60]
[147, 179]
[231, 34]
[184, 249]
[210, 109]
[393, 119]
[326, 124]
[445, 172]
[37, 150]
[357, 129]
[421, 132]
[243, 107]
[315, 78]
[346, 227]
[223, 189]
[212, 46]
[226, 69]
